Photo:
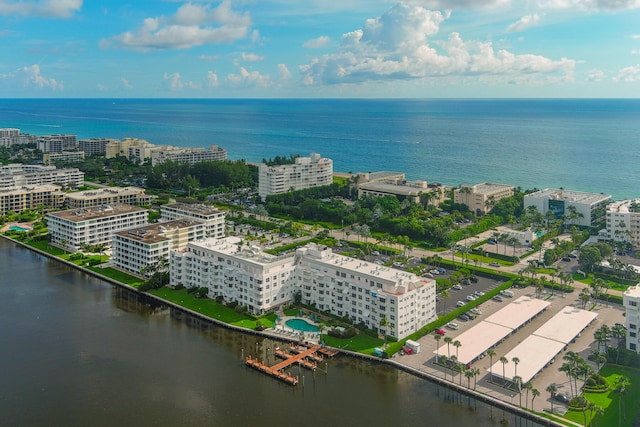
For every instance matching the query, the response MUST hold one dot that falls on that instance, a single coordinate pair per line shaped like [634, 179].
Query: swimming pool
[301, 325]
[17, 228]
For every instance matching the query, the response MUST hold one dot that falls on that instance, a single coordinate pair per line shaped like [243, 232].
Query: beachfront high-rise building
[576, 207]
[12, 136]
[72, 228]
[631, 302]
[17, 174]
[306, 172]
[210, 216]
[480, 198]
[395, 184]
[137, 249]
[18, 199]
[623, 222]
[63, 156]
[108, 196]
[93, 146]
[365, 292]
[57, 143]
[187, 155]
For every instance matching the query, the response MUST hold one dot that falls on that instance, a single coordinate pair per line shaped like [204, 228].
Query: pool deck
[26, 225]
[282, 330]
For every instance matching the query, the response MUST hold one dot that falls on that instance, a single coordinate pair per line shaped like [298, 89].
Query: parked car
[478, 293]
[497, 298]
[452, 325]
[562, 398]
[460, 304]
[457, 287]
[494, 264]
[476, 311]
[470, 298]
[434, 271]
[566, 259]
[471, 315]
[572, 255]
[473, 279]
[464, 317]
[441, 270]
[440, 331]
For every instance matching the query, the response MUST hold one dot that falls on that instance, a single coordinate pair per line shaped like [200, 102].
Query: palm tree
[504, 361]
[620, 387]
[384, 322]
[620, 334]
[491, 352]
[515, 361]
[448, 341]
[552, 391]
[527, 386]
[468, 373]
[518, 382]
[476, 372]
[534, 393]
[437, 337]
[457, 344]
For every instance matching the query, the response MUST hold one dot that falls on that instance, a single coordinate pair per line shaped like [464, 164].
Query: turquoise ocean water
[587, 145]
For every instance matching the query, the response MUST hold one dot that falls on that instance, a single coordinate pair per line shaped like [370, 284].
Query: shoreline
[497, 403]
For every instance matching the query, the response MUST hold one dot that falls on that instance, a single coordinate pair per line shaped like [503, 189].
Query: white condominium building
[386, 183]
[137, 249]
[210, 216]
[576, 207]
[631, 302]
[187, 155]
[365, 292]
[57, 143]
[92, 226]
[94, 145]
[15, 175]
[18, 199]
[64, 156]
[236, 272]
[623, 222]
[108, 196]
[306, 172]
[480, 198]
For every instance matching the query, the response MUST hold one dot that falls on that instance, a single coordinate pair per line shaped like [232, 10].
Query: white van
[507, 293]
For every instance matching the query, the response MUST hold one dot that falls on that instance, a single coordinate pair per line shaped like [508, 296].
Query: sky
[320, 49]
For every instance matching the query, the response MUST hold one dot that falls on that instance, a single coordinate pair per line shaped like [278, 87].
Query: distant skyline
[319, 48]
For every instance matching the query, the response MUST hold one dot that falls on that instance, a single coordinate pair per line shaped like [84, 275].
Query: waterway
[77, 351]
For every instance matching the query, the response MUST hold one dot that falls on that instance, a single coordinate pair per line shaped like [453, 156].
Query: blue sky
[320, 48]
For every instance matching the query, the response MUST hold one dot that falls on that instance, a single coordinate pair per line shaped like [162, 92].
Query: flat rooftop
[476, 340]
[195, 208]
[632, 292]
[403, 190]
[489, 187]
[229, 247]
[105, 192]
[155, 233]
[518, 312]
[96, 212]
[569, 196]
[534, 353]
[624, 206]
[566, 325]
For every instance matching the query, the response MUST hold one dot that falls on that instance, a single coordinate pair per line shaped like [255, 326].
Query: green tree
[552, 389]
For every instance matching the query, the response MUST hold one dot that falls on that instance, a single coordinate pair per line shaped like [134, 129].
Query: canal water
[76, 351]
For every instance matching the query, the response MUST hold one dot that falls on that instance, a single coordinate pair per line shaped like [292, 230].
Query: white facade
[93, 226]
[12, 136]
[623, 222]
[364, 292]
[480, 197]
[94, 145]
[135, 249]
[306, 172]
[188, 155]
[18, 175]
[64, 156]
[562, 202]
[108, 196]
[210, 216]
[631, 302]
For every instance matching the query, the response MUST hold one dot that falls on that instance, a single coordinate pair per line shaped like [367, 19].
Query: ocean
[577, 144]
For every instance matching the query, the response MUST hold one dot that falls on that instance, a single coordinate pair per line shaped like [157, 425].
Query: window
[632, 346]
[633, 303]
[632, 326]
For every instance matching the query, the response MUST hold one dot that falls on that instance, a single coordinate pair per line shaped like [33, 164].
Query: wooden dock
[304, 356]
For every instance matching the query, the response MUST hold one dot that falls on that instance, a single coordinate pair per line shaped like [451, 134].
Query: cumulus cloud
[173, 81]
[125, 83]
[462, 4]
[32, 76]
[595, 76]
[251, 57]
[42, 8]
[635, 36]
[284, 72]
[524, 23]
[397, 46]
[635, 51]
[191, 25]
[628, 75]
[247, 78]
[592, 5]
[317, 43]
[211, 80]
[101, 87]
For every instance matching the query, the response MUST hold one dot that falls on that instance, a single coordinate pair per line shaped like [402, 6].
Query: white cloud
[595, 76]
[126, 84]
[396, 46]
[249, 78]
[101, 87]
[525, 22]
[284, 72]
[173, 81]
[635, 51]
[628, 75]
[191, 25]
[211, 80]
[635, 36]
[208, 57]
[251, 57]
[32, 76]
[317, 43]
[592, 5]
[43, 8]
[462, 4]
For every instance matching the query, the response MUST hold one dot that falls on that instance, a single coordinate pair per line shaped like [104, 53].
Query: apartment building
[71, 229]
[187, 155]
[137, 249]
[108, 196]
[63, 156]
[386, 183]
[210, 216]
[12, 136]
[365, 292]
[631, 302]
[623, 222]
[576, 207]
[306, 172]
[57, 143]
[16, 175]
[18, 199]
[480, 198]
[93, 146]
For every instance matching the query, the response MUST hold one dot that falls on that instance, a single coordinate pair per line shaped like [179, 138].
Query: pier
[307, 357]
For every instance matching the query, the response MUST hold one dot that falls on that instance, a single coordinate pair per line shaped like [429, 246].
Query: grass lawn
[118, 275]
[44, 246]
[609, 401]
[612, 285]
[361, 343]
